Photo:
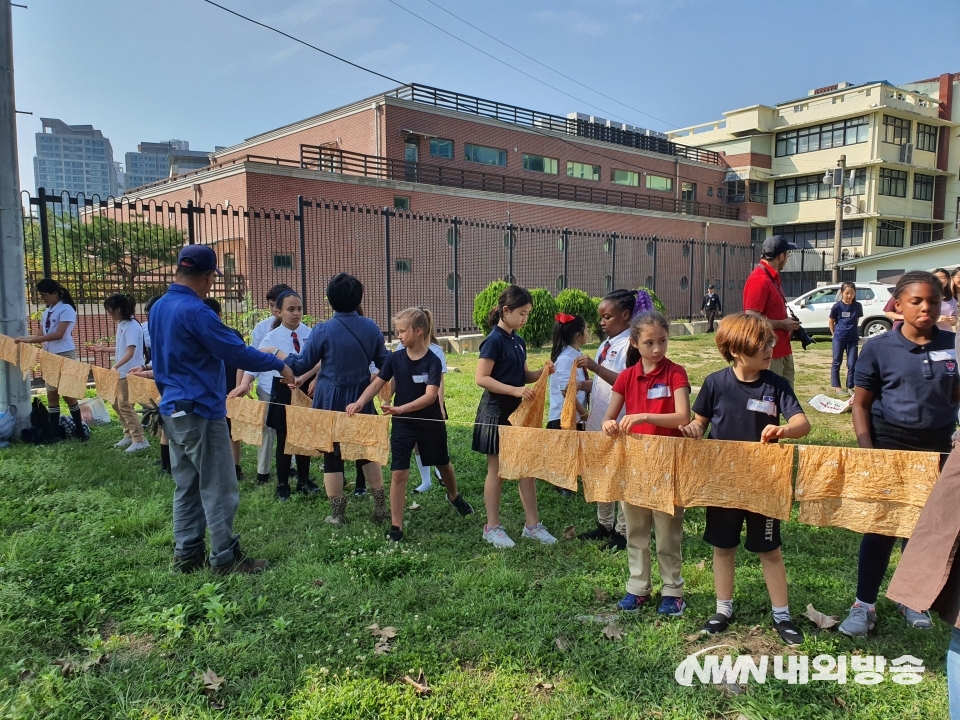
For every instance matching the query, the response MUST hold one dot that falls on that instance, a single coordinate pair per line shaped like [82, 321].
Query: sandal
[717, 623]
[789, 632]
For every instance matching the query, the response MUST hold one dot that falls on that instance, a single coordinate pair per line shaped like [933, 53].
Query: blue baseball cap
[198, 257]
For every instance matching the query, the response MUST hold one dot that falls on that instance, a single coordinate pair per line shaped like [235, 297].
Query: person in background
[190, 345]
[128, 354]
[844, 325]
[426, 471]
[56, 335]
[164, 461]
[265, 451]
[948, 308]
[890, 312]
[232, 374]
[955, 289]
[569, 335]
[711, 307]
[763, 294]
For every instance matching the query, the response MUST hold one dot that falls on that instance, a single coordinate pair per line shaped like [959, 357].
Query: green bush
[539, 327]
[595, 328]
[486, 301]
[657, 303]
[576, 302]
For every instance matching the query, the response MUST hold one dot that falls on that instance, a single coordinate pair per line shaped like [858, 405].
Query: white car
[813, 308]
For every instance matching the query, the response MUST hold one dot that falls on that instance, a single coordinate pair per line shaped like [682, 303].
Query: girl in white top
[426, 472]
[128, 354]
[289, 336]
[948, 308]
[56, 335]
[616, 310]
[569, 335]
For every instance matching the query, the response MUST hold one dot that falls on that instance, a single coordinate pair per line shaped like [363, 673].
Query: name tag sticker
[764, 406]
[951, 367]
[419, 378]
[938, 355]
[658, 391]
[845, 314]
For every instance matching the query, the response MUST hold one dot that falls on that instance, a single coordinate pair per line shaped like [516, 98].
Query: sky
[153, 70]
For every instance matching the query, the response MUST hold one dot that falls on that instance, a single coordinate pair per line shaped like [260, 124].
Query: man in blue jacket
[189, 345]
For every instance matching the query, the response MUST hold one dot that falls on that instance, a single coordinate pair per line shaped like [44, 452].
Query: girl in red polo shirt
[656, 392]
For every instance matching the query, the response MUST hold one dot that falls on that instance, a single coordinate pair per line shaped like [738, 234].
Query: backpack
[68, 428]
[41, 430]
[8, 424]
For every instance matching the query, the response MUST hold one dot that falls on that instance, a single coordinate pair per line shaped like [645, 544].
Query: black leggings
[277, 419]
[875, 550]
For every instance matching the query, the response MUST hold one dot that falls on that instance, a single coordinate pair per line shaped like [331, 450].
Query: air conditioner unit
[906, 154]
[851, 208]
[598, 120]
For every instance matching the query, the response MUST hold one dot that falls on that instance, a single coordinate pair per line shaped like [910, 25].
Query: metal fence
[97, 247]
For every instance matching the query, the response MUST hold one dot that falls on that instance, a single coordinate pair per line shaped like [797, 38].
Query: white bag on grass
[94, 412]
[827, 404]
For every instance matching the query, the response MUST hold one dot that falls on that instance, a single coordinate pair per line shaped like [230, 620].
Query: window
[822, 297]
[583, 171]
[758, 235]
[402, 265]
[688, 192]
[810, 187]
[401, 203]
[890, 233]
[441, 148]
[625, 177]
[820, 235]
[823, 137]
[921, 233]
[895, 130]
[922, 187]
[893, 183]
[484, 155]
[926, 137]
[282, 262]
[658, 182]
[540, 164]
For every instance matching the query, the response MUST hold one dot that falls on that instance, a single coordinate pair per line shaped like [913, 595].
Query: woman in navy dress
[344, 346]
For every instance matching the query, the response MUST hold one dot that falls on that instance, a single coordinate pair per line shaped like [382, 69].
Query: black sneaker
[717, 623]
[788, 632]
[263, 479]
[190, 563]
[395, 534]
[616, 542]
[309, 487]
[241, 565]
[601, 533]
[283, 492]
[461, 505]
[360, 491]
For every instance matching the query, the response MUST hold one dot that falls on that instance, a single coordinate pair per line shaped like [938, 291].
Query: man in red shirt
[763, 294]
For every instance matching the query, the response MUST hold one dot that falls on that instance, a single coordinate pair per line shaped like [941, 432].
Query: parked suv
[813, 308]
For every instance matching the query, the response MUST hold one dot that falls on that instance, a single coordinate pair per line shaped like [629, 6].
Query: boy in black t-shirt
[744, 402]
[417, 417]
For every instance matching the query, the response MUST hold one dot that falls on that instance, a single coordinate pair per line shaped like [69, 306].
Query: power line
[553, 70]
[303, 42]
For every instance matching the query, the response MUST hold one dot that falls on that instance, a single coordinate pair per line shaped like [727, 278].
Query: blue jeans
[851, 346]
[953, 674]
[207, 494]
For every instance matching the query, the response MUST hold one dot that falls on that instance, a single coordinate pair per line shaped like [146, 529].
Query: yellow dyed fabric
[386, 393]
[363, 437]
[862, 516]
[29, 355]
[648, 471]
[142, 390]
[530, 412]
[8, 350]
[298, 398]
[602, 461]
[73, 378]
[106, 381]
[568, 415]
[551, 455]
[247, 410]
[246, 433]
[745, 475]
[50, 365]
[309, 431]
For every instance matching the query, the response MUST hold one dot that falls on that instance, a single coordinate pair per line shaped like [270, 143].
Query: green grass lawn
[85, 554]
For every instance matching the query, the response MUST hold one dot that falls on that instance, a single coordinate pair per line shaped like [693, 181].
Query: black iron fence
[97, 247]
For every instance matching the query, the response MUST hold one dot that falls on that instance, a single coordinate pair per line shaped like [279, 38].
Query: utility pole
[838, 224]
[13, 302]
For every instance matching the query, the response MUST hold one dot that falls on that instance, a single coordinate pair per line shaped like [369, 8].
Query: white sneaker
[539, 532]
[123, 443]
[134, 447]
[497, 537]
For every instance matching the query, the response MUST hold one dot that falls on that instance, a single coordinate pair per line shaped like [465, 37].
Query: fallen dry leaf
[382, 647]
[569, 532]
[600, 595]
[692, 638]
[701, 565]
[24, 675]
[68, 667]
[840, 702]
[318, 583]
[823, 622]
[387, 633]
[420, 684]
[612, 632]
[414, 506]
[211, 684]
[544, 688]
[562, 643]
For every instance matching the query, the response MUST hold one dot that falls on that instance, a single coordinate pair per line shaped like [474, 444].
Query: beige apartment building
[902, 155]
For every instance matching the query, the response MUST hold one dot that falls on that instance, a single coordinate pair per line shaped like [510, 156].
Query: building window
[658, 182]
[758, 235]
[401, 203]
[811, 187]
[922, 187]
[540, 164]
[583, 171]
[809, 236]
[926, 137]
[282, 262]
[688, 192]
[402, 265]
[921, 233]
[484, 155]
[823, 137]
[895, 130]
[890, 233]
[893, 183]
[625, 177]
[441, 148]
[736, 191]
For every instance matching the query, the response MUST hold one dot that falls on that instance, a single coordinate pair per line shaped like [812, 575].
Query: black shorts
[430, 438]
[724, 526]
